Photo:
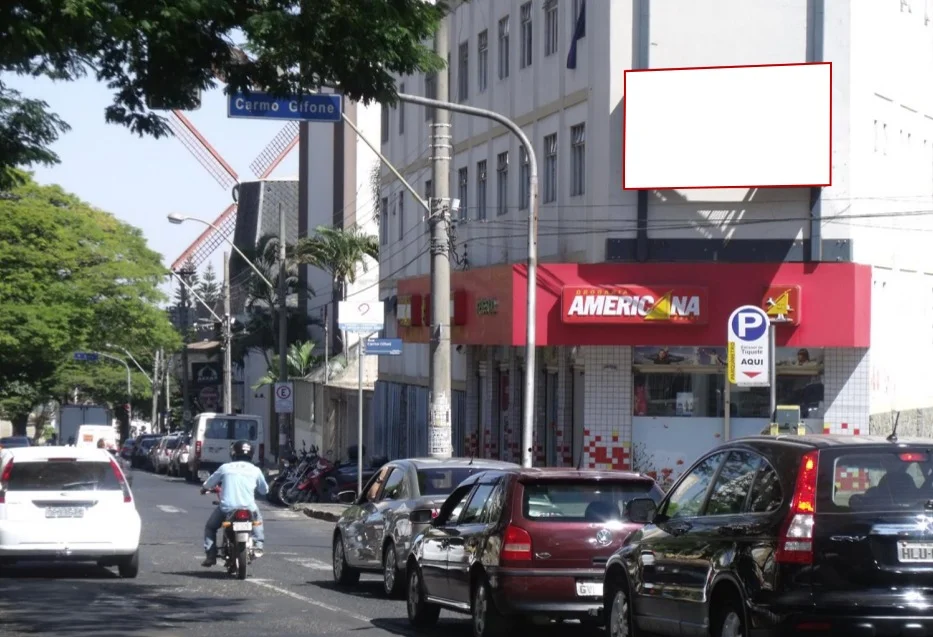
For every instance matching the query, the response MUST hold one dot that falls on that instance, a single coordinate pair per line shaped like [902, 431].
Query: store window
[679, 394]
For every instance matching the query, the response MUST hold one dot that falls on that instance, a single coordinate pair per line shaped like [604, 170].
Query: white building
[606, 396]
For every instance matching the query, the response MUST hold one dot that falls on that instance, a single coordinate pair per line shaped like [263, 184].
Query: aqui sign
[317, 107]
[748, 361]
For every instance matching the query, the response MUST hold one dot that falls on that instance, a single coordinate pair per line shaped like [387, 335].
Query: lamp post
[129, 391]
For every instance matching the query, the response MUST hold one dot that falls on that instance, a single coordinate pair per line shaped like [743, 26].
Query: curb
[317, 514]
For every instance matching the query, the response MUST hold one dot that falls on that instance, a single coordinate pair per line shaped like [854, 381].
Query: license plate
[915, 552]
[590, 589]
[242, 526]
[64, 512]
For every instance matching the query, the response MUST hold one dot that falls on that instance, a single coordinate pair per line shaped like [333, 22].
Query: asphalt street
[289, 591]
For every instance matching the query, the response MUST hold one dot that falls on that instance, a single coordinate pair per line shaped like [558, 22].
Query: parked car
[178, 464]
[141, 449]
[375, 533]
[782, 535]
[126, 452]
[162, 457]
[523, 542]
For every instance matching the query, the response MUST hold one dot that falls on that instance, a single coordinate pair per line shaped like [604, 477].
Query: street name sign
[382, 347]
[748, 361]
[90, 357]
[319, 107]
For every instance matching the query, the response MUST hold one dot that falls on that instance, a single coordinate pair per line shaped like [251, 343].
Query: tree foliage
[163, 53]
[300, 360]
[337, 251]
[209, 287]
[72, 278]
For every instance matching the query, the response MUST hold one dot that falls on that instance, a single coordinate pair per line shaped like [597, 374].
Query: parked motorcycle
[236, 547]
[294, 488]
[289, 465]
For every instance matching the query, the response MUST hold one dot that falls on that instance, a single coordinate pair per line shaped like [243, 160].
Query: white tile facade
[846, 383]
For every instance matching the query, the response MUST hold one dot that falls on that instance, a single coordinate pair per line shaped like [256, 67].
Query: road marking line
[284, 591]
[308, 562]
[167, 508]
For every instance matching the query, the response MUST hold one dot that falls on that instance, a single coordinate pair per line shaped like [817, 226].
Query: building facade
[635, 288]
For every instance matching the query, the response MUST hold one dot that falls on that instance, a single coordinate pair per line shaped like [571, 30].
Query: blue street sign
[382, 347]
[90, 357]
[307, 108]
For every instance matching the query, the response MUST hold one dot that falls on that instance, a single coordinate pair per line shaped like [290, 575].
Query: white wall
[320, 197]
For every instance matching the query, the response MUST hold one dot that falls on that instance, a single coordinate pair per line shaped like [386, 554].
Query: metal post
[359, 415]
[326, 346]
[439, 367]
[228, 339]
[772, 370]
[532, 286]
[155, 389]
[185, 383]
[283, 322]
[167, 370]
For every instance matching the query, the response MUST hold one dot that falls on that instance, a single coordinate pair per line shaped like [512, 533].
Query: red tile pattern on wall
[610, 452]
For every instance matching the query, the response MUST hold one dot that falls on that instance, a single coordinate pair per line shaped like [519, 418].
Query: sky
[141, 180]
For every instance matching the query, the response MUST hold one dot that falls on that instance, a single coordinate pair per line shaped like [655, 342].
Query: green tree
[300, 360]
[72, 278]
[161, 54]
[208, 288]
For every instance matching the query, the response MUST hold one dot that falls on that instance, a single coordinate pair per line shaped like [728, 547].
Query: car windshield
[65, 475]
[442, 481]
[876, 480]
[15, 441]
[584, 500]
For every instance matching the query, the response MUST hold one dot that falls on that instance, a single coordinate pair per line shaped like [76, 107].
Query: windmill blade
[201, 149]
[275, 151]
[209, 240]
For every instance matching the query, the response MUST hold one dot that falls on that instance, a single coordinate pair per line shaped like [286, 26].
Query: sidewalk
[323, 511]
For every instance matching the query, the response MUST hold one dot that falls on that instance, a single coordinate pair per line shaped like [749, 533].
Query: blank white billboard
[728, 127]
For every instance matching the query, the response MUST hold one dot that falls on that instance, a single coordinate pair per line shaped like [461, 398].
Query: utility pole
[228, 340]
[283, 321]
[167, 371]
[439, 398]
[184, 275]
[326, 346]
[156, 384]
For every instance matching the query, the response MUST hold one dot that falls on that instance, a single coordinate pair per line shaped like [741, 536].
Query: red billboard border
[732, 66]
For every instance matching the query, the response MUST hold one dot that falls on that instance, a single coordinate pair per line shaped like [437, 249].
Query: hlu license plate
[915, 551]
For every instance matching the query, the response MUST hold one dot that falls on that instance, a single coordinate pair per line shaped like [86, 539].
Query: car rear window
[439, 481]
[230, 429]
[62, 476]
[14, 442]
[857, 480]
[172, 444]
[583, 500]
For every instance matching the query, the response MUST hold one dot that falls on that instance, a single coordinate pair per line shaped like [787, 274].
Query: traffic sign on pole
[90, 357]
[319, 107]
[354, 316]
[382, 347]
[749, 355]
[284, 398]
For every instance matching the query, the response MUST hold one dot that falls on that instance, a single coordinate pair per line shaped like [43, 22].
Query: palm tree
[300, 360]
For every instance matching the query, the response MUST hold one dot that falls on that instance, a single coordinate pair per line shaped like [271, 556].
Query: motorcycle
[289, 465]
[293, 489]
[236, 547]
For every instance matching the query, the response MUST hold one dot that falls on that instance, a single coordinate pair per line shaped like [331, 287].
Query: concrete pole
[283, 322]
[227, 340]
[185, 381]
[155, 389]
[359, 415]
[439, 397]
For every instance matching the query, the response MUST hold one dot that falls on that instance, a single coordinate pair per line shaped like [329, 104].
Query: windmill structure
[221, 171]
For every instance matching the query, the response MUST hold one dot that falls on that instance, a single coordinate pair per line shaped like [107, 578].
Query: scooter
[236, 547]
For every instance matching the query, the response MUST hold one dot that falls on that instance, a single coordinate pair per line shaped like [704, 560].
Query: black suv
[782, 535]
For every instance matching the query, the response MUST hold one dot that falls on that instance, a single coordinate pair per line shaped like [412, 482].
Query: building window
[401, 215]
[482, 61]
[524, 180]
[504, 48]
[385, 123]
[550, 168]
[502, 183]
[525, 53]
[579, 20]
[463, 181]
[401, 111]
[481, 190]
[384, 221]
[577, 160]
[430, 92]
[551, 28]
[463, 72]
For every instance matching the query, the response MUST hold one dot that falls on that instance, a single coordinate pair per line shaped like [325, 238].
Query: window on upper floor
[502, 183]
[463, 72]
[550, 168]
[463, 183]
[384, 221]
[482, 61]
[401, 111]
[524, 179]
[481, 190]
[577, 160]
[579, 17]
[527, 44]
[504, 48]
[551, 28]
[401, 215]
[430, 92]
[385, 123]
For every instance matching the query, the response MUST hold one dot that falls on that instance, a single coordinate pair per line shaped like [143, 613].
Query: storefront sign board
[635, 305]
[748, 355]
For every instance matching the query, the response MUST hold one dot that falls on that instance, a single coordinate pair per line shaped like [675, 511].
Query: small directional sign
[382, 347]
[90, 357]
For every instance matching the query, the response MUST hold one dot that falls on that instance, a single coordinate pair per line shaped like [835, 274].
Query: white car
[67, 504]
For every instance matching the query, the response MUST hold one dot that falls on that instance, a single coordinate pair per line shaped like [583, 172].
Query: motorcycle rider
[239, 480]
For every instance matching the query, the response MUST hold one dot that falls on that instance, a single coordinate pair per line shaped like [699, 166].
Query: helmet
[241, 450]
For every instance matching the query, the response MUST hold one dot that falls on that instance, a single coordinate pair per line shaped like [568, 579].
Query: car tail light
[795, 545]
[197, 449]
[913, 456]
[4, 478]
[516, 545]
[118, 474]
[242, 516]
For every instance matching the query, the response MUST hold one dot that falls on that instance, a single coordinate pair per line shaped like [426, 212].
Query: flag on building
[579, 32]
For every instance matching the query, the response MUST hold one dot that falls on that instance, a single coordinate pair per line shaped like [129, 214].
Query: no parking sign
[749, 355]
[284, 398]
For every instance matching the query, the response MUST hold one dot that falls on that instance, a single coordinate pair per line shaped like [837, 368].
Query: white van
[88, 435]
[213, 435]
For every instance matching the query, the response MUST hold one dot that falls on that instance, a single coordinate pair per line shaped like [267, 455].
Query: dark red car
[530, 542]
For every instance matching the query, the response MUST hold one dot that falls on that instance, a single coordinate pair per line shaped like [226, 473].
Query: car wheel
[421, 613]
[128, 567]
[487, 620]
[344, 574]
[729, 621]
[392, 582]
[619, 617]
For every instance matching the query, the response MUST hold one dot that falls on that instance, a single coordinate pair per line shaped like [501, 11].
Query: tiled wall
[564, 433]
[846, 383]
[608, 408]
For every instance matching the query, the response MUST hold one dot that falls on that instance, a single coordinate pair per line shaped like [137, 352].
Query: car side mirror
[346, 497]
[641, 510]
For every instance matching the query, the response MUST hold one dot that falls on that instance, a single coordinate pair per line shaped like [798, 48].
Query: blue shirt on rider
[239, 481]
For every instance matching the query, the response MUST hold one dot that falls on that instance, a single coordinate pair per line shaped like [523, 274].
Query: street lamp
[129, 388]
[178, 219]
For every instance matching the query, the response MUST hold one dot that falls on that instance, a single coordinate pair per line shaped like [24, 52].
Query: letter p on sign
[749, 323]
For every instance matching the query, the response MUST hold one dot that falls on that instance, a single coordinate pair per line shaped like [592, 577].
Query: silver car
[375, 533]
